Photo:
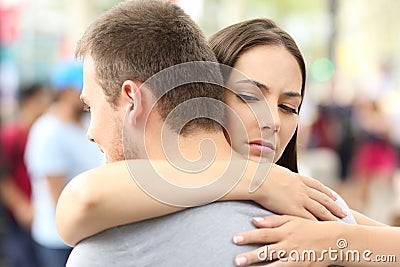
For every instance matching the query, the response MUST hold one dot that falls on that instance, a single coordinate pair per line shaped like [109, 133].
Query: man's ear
[132, 98]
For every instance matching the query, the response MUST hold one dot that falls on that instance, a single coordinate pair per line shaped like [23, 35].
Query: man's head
[121, 50]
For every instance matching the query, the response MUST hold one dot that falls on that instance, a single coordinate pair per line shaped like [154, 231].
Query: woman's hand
[286, 192]
[288, 238]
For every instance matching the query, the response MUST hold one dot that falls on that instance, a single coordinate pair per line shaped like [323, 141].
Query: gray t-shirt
[200, 236]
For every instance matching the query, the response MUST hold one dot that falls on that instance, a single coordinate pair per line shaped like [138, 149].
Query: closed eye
[288, 109]
[247, 98]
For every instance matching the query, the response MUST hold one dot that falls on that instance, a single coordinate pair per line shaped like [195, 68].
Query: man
[121, 50]
[15, 186]
[56, 151]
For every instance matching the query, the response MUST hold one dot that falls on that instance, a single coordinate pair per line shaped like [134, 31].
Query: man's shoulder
[178, 234]
[233, 214]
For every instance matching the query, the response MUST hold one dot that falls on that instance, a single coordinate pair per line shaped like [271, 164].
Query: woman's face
[266, 103]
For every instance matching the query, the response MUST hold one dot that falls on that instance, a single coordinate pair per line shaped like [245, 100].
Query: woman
[246, 54]
[283, 91]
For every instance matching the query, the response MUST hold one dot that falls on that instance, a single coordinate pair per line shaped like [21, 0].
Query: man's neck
[202, 157]
[203, 145]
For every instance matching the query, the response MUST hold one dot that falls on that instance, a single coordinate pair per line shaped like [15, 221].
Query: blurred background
[350, 122]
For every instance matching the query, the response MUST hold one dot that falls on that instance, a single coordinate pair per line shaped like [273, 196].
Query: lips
[262, 146]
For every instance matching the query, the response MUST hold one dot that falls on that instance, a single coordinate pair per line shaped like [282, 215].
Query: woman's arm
[101, 198]
[331, 243]
[364, 220]
[108, 196]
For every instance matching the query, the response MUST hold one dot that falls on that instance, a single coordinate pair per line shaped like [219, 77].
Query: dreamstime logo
[341, 243]
[340, 254]
[176, 78]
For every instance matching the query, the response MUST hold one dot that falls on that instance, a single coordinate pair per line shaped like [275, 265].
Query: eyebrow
[266, 88]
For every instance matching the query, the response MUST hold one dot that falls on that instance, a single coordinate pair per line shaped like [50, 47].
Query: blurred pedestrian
[57, 150]
[375, 156]
[15, 187]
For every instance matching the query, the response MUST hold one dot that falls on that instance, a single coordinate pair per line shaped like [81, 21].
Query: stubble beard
[123, 145]
[117, 151]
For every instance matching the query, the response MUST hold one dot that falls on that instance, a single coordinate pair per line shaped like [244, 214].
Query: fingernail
[240, 261]
[344, 212]
[258, 219]
[237, 239]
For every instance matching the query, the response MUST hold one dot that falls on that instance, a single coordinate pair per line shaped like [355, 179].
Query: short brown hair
[231, 42]
[137, 39]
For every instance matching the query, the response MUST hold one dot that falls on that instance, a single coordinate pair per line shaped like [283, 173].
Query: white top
[54, 148]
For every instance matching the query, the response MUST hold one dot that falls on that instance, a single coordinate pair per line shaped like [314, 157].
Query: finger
[271, 221]
[278, 255]
[323, 207]
[283, 263]
[267, 253]
[317, 185]
[258, 236]
[321, 212]
[303, 212]
[254, 256]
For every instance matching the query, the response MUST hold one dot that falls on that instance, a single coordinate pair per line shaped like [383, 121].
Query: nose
[276, 120]
[89, 137]
[270, 118]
